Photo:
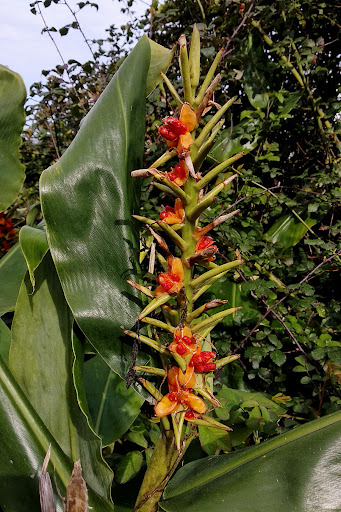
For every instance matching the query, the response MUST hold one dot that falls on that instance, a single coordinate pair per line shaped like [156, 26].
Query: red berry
[174, 277]
[189, 415]
[167, 134]
[175, 125]
[187, 340]
[206, 367]
[171, 397]
[205, 356]
[192, 362]
[180, 349]
[166, 285]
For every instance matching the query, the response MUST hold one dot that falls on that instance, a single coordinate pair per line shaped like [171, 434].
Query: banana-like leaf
[227, 289]
[24, 440]
[41, 359]
[5, 340]
[297, 471]
[227, 146]
[288, 230]
[12, 271]
[88, 198]
[113, 408]
[12, 118]
[34, 246]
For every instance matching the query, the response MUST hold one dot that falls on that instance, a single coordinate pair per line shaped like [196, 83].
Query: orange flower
[177, 131]
[178, 174]
[206, 242]
[173, 215]
[172, 401]
[171, 281]
[179, 395]
[184, 343]
[178, 380]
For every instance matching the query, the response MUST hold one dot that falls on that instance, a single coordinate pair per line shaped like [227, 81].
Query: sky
[25, 50]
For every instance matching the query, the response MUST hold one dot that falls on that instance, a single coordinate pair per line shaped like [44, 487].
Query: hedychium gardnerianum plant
[190, 358]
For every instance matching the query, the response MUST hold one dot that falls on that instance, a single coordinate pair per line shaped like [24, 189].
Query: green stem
[217, 170]
[180, 242]
[147, 341]
[185, 71]
[174, 188]
[217, 317]
[164, 158]
[187, 234]
[153, 304]
[211, 123]
[172, 90]
[149, 369]
[208, 198]
[157, 323]
[207, 80]
[162, 465]
[214, 272]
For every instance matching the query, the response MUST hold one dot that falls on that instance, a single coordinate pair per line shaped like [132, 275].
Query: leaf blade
[12, 118]
[12, 271]
[89, 228]
[40, 360]
[234, 478]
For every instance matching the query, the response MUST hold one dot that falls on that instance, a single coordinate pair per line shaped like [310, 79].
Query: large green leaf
[12, 118]
[288, 230]
[41, 360]
[113, 408]
[24, 440]
[227, 289]
[88, 198]
[12, 271]
[297, 471]
[228, 145]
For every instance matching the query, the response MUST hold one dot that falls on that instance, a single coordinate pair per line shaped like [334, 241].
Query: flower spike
[186, 367]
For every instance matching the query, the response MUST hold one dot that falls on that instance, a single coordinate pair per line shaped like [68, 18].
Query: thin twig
[150, 32]
[52, 137]
[62, 59]
[235, 32]
[271, 309]
[50, 36]
[80, 29]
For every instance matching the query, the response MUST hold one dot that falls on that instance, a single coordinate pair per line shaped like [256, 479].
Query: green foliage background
[287, 121]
